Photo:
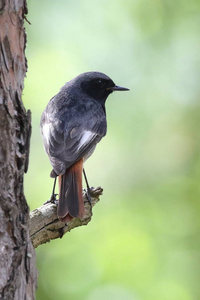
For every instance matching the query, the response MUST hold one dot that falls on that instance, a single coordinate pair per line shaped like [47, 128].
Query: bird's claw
[93, 193]
[52, 199]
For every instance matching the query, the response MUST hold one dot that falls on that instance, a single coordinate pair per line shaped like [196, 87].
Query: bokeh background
[143, 241]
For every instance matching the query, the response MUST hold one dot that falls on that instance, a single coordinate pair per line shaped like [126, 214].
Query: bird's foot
[93, 193]
[52, 199]
[88, 194]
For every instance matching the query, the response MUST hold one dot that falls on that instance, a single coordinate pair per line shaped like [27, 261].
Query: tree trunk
[17, 257]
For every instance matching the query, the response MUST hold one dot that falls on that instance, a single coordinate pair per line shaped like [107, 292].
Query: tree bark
[17, 257]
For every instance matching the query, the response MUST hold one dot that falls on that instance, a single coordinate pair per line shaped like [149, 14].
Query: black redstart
[73, 122]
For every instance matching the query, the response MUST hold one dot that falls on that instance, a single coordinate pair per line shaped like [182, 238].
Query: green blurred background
[143, 241]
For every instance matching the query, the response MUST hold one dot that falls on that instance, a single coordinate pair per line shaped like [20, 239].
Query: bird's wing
[67, 143]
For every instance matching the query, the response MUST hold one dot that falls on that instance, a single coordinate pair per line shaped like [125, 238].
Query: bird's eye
[101, 83]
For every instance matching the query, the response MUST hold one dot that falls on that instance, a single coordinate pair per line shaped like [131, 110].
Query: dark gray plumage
[73, 122]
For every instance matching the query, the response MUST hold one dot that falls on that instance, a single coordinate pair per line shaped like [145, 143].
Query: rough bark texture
[17, 256]
[44, 223]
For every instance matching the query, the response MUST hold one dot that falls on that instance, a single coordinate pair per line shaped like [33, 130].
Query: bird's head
[98, 85]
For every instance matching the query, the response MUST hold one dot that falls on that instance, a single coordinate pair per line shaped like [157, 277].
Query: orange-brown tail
[70, 193]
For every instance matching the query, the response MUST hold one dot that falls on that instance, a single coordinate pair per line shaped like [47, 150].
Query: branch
[44, 223]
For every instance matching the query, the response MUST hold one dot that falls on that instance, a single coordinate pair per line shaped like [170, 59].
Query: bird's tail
[70, 193]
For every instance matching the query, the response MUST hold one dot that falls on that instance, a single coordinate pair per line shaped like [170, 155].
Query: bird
[72, 124]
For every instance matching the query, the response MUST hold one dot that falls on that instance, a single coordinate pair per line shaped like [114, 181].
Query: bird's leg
[53, 195]
[88, 193]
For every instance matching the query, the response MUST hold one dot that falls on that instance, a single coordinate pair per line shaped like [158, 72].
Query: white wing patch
[46, 131]
[86, 138]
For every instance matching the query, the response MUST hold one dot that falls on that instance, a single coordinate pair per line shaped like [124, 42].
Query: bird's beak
[117, 88]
